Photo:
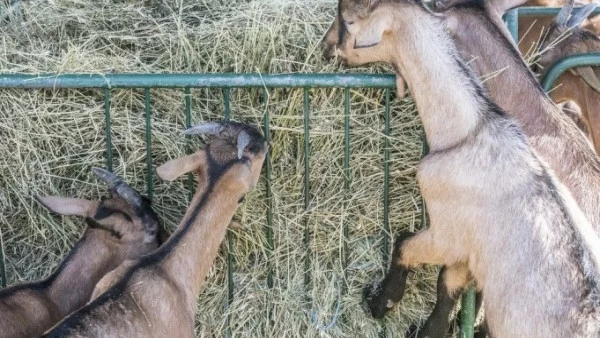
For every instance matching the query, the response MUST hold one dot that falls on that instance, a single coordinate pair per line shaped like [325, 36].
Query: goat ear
[174, 168]
[372, 32]
[502, 6]
[67, 206]
[576, 19]
[564, 13]
[589, 76]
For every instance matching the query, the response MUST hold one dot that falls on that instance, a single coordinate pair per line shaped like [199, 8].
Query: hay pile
[50, 139]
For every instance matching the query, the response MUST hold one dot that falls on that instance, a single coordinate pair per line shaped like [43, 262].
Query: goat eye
[349, 23]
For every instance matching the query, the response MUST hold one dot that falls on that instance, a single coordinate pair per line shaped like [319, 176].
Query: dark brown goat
[122, 227]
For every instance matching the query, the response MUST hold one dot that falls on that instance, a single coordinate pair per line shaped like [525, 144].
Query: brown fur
[156, 296]
[29, 310]
[471, 152]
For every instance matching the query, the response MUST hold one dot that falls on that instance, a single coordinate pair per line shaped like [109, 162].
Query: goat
[496, 210]
[579, 84]
[532, 29]
[479, 34]
[156, 297]
[119, 228]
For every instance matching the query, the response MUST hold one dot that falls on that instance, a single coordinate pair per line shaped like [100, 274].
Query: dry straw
[51, 139]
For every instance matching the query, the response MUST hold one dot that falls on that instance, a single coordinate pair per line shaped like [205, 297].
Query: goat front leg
[410, 250]
[452, 280]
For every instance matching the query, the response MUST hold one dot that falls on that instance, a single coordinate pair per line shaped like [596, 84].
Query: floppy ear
[183, 165]
[372, 32]
[67, 206]
[589, 76]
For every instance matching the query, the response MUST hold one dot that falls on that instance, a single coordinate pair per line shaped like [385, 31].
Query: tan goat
[481, 36]
[119, 228]
[495, 209]
[580, 84]
[157, 296]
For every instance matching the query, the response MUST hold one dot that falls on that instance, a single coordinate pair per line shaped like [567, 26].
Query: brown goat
[580, 84]
[484, 210]
[532, 29]
[157, 296]
[480, 35]
[122, 227]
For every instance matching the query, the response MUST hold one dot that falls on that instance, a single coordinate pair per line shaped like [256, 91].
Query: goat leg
[380, 297]
[451, 281]
[410, 251]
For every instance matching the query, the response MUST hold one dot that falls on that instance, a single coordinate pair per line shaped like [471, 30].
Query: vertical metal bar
[467, 320]
[269, 226]
[307, 274]
[386, 182]
[346, 178]
[149, 188]
[226, 99]
[386, 232]
[512, 21]
[3, 280]
[424, 152]
[107, 124]
[188, 123]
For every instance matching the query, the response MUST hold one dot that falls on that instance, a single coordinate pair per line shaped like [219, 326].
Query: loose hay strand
[51, 139]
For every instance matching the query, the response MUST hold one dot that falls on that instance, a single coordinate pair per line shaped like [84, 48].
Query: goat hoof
[373, 302]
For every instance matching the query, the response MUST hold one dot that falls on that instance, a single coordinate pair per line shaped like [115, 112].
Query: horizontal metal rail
[299, 80]
[562, 65]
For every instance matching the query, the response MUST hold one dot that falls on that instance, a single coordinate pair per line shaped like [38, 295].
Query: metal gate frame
[185, 82]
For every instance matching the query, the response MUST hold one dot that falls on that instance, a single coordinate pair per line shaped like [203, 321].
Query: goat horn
[563, 16]
[578, 17]
[119, 186]
[208, 128]
[242, 141]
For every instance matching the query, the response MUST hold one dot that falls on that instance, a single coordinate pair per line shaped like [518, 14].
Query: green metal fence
[226, 82]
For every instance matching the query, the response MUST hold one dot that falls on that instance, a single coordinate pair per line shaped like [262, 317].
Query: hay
[52, 138]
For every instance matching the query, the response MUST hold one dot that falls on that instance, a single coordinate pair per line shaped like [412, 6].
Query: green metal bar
[225, 80]
[188, 123]
[3, 280]
[534, 11]
[107, 126]
[386, 182]
[227, 99]
[512, 21]
[269, 226]
[562, 65]
[307, 276]
[149, 170]
[467, 322]
[346, 178]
